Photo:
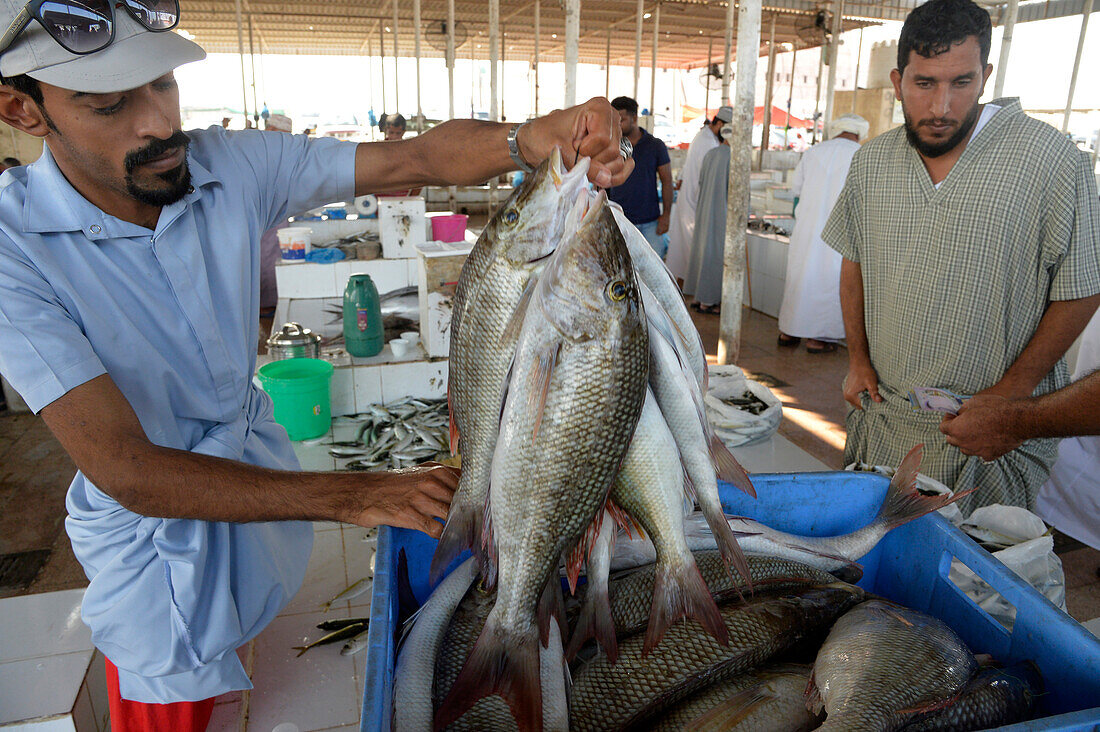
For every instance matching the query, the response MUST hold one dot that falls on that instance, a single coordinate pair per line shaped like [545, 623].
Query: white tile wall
[368, 387]
[305, 280]
[342, 391]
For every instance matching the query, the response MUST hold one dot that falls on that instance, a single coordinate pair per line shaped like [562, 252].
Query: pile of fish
[747, 402]
[576, 394]
[397, 435]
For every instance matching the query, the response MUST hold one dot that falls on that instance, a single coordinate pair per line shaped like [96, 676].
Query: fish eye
[510, 217]
[617, 290]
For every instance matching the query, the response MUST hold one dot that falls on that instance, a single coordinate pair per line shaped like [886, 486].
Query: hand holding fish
[986, 426]
[587, 130]
[410, 498]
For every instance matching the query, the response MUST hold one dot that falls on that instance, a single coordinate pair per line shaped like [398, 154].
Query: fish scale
[629, 693]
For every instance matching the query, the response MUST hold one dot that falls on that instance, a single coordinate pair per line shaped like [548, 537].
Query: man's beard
[936, 149]
[178, 179]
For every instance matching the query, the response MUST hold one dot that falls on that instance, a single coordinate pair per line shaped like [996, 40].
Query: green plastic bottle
[363, 334]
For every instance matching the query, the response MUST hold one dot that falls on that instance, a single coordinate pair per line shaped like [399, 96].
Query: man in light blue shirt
[129, 290]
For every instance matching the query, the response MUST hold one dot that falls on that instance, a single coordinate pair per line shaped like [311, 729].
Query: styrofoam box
[401, 226]
[438, 267]
[911, 565]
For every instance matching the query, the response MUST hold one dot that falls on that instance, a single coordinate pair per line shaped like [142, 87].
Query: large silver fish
[573, 401]
[510, 252]
[650, 488]
[882, 663]
[638, 687]
[770, 699]
[903, 503]
[630, 592]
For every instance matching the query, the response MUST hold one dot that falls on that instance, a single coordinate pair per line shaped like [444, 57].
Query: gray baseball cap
[136, 57]
[725, 114]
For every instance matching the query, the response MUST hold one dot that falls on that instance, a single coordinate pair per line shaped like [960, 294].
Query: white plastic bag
[736, 427]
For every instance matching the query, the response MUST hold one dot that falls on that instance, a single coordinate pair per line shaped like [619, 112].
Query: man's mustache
[155, 149]
[938, 121]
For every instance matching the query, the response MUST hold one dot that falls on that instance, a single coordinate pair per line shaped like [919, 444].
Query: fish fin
[624, 520]
[581, 551]
[459, 533]
[728, 546]
[850, 573]
[452, 425]
[541, 376]
[679, 591]
[407, 604]
[904, 502]
[551, 607]
[727, 466]
[515, 323]
[733, 710]
[814, 703]
[595, 622]
[487, 557]
[936, 705]
[503, 665]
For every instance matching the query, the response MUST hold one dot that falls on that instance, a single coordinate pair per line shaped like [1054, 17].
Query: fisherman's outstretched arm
[100, 431]
[469, 152]
[861, 374]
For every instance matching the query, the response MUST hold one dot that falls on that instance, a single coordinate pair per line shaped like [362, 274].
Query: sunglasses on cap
[87, 26]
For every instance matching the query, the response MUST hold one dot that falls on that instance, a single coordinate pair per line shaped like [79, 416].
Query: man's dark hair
[936, 26]
[11, 162]
[397, 121]
[26, 85]
[625, 104]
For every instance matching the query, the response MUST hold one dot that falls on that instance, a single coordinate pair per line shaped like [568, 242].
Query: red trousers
[132, 716]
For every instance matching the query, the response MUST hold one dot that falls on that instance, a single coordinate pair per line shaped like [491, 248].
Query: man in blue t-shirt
[638, 195]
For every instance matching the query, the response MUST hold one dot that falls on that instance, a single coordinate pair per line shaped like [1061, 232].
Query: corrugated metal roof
[346, 27]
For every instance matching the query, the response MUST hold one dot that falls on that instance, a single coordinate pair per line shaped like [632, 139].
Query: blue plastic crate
[910, 565]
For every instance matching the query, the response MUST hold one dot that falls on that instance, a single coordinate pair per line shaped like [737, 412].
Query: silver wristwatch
[513, 148]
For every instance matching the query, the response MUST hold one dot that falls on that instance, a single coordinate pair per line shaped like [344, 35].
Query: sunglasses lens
[80, 27]
[156, 15]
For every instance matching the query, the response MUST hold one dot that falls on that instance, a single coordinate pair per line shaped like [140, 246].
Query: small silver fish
[350, 592]
[356, 644]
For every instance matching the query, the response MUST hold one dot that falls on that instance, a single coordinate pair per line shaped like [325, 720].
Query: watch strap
[513, 148]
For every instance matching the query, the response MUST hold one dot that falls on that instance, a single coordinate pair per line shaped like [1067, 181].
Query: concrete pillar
[1006, 47]
[396, 73]
[653, 67]
[450, 59]
[538, 32]
[572, 49]
[737, 209]
[607, 67]
[494, 57]
[817, 95]
[710, 55]
[855, 80]
[240, 52]
[790, 93]
[769, 89]
[1085, 12]
[416, 50]
[382, 59]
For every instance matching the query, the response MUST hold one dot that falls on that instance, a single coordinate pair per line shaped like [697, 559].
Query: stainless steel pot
[294, 341]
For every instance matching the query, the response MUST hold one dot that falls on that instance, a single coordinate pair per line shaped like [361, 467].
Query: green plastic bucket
[300, 389]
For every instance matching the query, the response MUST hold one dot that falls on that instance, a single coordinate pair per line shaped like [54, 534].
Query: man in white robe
[811, 295]
[683, 212]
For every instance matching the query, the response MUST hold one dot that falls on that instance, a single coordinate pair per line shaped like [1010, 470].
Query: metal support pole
[252, 64]
[451, 62]
[737, 208]
[382, 61]
[494, 56]
[653, 67]
[769, 89]
[710, 55]
[416, 42]
[503, 36]
[834, 47]
[855, 81]
[790, 95]
[638, 47]
[396, 73]
[607, 68]
[538, 32]
[1006, 47]
[727, 69]
[572, 49]
[240, 52]
[1085, 12]
[817, 95]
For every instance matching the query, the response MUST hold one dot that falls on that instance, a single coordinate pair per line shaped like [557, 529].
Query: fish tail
[551, 609]
[462, 531]
[727, 466]
[679, 591]
[903, 501]
[727, 544]
[500, 663]
[595, 622]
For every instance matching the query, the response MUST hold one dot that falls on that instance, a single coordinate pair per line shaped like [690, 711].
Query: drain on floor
[766, 379]
[18, 570]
